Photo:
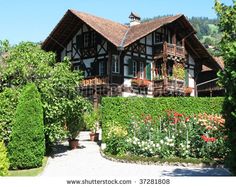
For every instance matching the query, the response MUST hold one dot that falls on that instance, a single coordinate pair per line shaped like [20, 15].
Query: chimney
[134, 19]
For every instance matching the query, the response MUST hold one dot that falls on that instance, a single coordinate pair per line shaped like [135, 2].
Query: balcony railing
[168, 87]
[169, 49]
[97, 80]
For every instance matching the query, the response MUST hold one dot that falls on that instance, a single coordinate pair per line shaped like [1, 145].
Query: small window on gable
[86, 40]
[158, 37]
[93, 39]
[115, 64]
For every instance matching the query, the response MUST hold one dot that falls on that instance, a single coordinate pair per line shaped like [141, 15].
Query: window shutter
[186, 77]
[130, 67]
[148, 71]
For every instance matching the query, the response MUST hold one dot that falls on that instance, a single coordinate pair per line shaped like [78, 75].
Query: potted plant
[188, 91]
[74, 120]
[140, 82]
[92, 121]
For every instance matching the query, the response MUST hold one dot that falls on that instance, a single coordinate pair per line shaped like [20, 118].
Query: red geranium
[207, 139]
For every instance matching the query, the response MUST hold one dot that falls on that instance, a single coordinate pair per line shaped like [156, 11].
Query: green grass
[29, 172]
[138, 159]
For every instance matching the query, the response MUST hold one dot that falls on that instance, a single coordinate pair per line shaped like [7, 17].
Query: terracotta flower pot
[94, 136]
[74, 144]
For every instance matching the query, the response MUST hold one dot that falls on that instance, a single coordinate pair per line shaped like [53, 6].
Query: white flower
[161, 142]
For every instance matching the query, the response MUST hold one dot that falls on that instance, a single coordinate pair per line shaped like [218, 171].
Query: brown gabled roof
[138, 31]
[112, 31]
[66, 28]
[118, 34]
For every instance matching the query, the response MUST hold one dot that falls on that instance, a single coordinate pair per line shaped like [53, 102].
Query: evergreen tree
[27, 144]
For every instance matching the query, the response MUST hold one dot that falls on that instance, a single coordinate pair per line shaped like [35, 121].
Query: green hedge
[27, 144]
[120, 109]
[4, 162]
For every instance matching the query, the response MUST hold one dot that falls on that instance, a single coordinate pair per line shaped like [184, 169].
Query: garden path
[86, 162]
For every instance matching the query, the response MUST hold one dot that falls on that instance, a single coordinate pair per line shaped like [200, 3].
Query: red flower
[206, 139]
[187, 119]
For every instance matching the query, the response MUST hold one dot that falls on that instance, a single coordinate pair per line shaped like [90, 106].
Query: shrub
[92, 120]
[27, 144]
[120, 110]
[8, 103]
[115, 143]
[4, 162]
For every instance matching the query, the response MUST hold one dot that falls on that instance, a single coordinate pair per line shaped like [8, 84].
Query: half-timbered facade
[130, 60]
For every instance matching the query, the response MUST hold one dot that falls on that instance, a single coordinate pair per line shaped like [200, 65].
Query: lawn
[29, 172]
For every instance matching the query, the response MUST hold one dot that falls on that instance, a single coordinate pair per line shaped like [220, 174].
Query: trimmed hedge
[4, 162]
[120, 109]
[27, 143]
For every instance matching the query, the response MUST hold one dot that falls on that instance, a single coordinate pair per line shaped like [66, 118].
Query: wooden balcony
[171, 51]
[96, 80]
[94, 88]
[167, 87]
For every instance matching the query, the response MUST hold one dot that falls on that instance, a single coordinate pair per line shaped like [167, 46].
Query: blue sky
[33, 20]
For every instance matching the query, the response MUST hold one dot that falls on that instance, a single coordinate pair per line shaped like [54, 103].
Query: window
[86, 40]
[93, 39]
[132, 68]
[89, 39]
[115, 64]
[102, 68]
[158, 37]
[170, 68]
[141, 70]
[135, 67]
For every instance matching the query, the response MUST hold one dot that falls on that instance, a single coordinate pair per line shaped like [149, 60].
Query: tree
[8, 103]
[56, 82]
[62, 103]
[25, 63]
[27, 143]
[227, 16]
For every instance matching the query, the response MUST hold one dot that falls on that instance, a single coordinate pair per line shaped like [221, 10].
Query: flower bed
[170, 135]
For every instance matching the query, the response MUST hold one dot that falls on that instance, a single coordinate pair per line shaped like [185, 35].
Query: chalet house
[161, 57]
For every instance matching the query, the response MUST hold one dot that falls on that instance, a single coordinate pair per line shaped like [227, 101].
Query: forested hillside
[207, 32]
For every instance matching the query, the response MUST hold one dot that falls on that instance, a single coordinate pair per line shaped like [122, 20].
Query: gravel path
[87, 162]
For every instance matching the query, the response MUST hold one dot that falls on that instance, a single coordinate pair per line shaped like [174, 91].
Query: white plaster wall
[149, 50]
[142, 40]
[127, 82]
[191, 80]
